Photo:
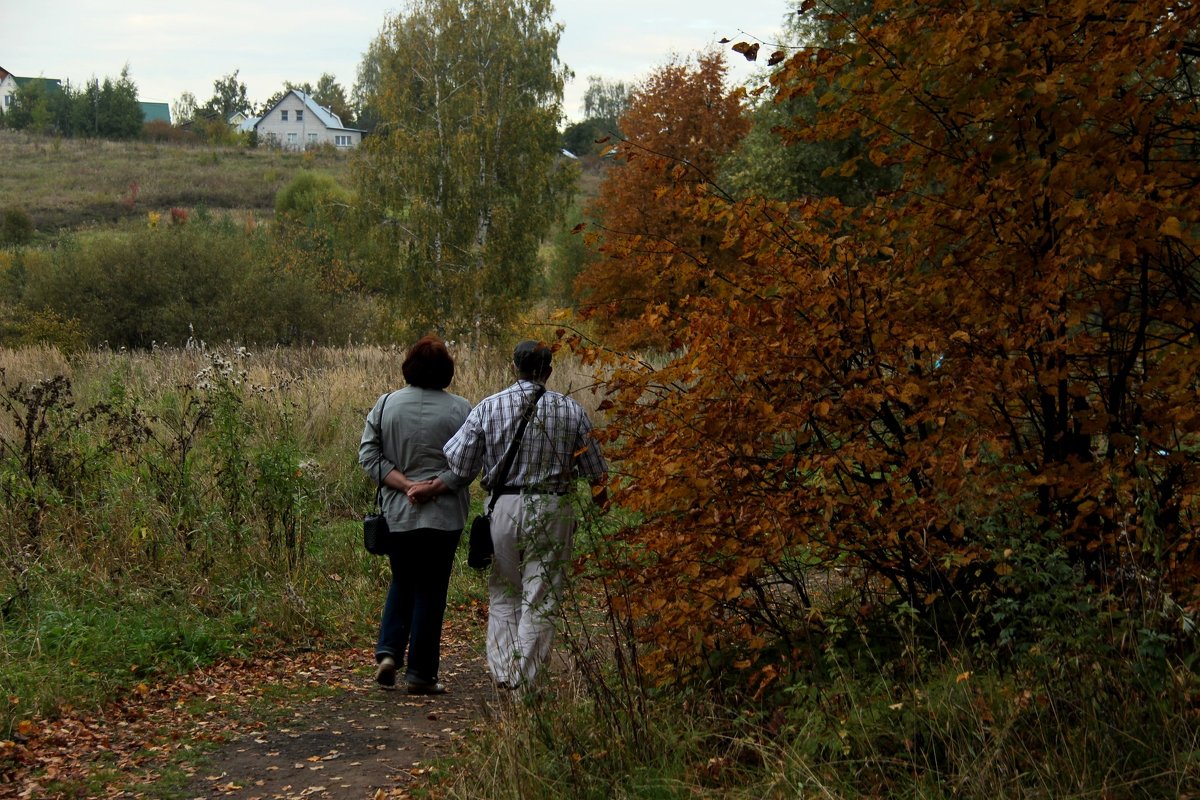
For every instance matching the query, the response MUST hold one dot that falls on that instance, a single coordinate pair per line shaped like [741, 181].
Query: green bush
[16, 226]
[145, 287]
[208, 281]
[309, 195]
[20, 327]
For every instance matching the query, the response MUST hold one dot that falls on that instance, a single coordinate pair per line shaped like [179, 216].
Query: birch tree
[461, 178]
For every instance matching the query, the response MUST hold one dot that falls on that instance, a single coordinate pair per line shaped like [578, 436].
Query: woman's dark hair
[428, 364]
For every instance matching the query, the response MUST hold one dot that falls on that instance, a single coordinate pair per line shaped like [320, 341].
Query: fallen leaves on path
[124, 749]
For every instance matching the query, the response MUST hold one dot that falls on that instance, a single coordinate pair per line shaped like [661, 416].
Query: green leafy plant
[16, 226]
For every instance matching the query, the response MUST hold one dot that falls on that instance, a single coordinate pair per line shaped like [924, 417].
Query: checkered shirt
[557, 446]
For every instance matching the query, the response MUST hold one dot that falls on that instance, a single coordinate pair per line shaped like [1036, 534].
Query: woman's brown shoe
[385, 673]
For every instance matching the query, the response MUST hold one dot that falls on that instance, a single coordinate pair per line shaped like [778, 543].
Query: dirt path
[334, 734]
[366, 742]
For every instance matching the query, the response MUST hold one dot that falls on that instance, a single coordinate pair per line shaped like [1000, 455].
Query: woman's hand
[424, 491]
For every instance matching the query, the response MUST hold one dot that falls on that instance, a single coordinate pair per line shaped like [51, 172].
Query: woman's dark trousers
[416, 601]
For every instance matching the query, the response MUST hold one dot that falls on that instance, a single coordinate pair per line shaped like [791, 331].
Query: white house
[8, 87]
[297, 121]
[9, 84]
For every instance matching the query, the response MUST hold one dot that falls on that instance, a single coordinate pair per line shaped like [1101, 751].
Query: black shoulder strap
[511, 452]
[379, 480]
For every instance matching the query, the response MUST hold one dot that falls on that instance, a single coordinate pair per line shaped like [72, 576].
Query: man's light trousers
[532, 536]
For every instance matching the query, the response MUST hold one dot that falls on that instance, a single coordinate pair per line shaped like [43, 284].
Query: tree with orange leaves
[678, 126]
[993, 366]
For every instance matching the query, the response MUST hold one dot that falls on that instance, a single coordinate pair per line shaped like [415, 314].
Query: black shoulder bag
[480, 548]
[376, 533]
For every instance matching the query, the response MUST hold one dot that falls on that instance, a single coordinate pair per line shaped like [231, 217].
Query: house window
[300, 115]
[283, 115]
[341, 141]
[312, 138]
[293, 138]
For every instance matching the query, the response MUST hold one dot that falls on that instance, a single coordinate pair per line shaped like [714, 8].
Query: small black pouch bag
[480, 548]
[376, 533]
[479, 544]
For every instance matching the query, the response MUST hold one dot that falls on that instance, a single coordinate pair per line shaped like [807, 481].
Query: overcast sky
[173, 46]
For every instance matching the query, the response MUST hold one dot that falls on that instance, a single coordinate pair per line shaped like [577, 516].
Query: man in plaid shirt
[534, 518]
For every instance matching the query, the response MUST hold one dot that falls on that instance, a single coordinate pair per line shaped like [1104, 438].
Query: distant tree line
[109, 108]
[604, 103]
[106, 109]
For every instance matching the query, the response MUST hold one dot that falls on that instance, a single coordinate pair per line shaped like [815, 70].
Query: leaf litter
[308, 725]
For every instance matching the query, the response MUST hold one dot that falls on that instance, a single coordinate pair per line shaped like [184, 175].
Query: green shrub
[568, 256]
[16, 226]
[20, 327]
[144, 287]
[308, 195]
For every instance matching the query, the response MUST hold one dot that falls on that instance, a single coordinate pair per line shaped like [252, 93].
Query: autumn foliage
[679, 124]
[914, 398]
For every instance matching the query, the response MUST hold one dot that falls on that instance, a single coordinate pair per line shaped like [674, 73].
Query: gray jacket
[416, 424]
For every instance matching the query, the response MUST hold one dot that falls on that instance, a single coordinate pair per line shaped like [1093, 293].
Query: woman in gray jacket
[402, 447]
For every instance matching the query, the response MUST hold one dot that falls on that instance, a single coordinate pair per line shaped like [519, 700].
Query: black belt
[523, 490]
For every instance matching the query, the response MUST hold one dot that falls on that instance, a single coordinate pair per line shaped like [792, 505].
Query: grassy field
[180, 505]
[68, 184]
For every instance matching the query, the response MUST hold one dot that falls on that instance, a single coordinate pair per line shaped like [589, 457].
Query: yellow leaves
[1076, 210]
[1171, 228]
[1127, 175]
[910, 392]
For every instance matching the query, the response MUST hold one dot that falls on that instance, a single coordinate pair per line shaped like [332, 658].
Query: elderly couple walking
[426, 445]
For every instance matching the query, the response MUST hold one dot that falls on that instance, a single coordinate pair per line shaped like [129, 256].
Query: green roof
[155, 112]
[52, 85]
